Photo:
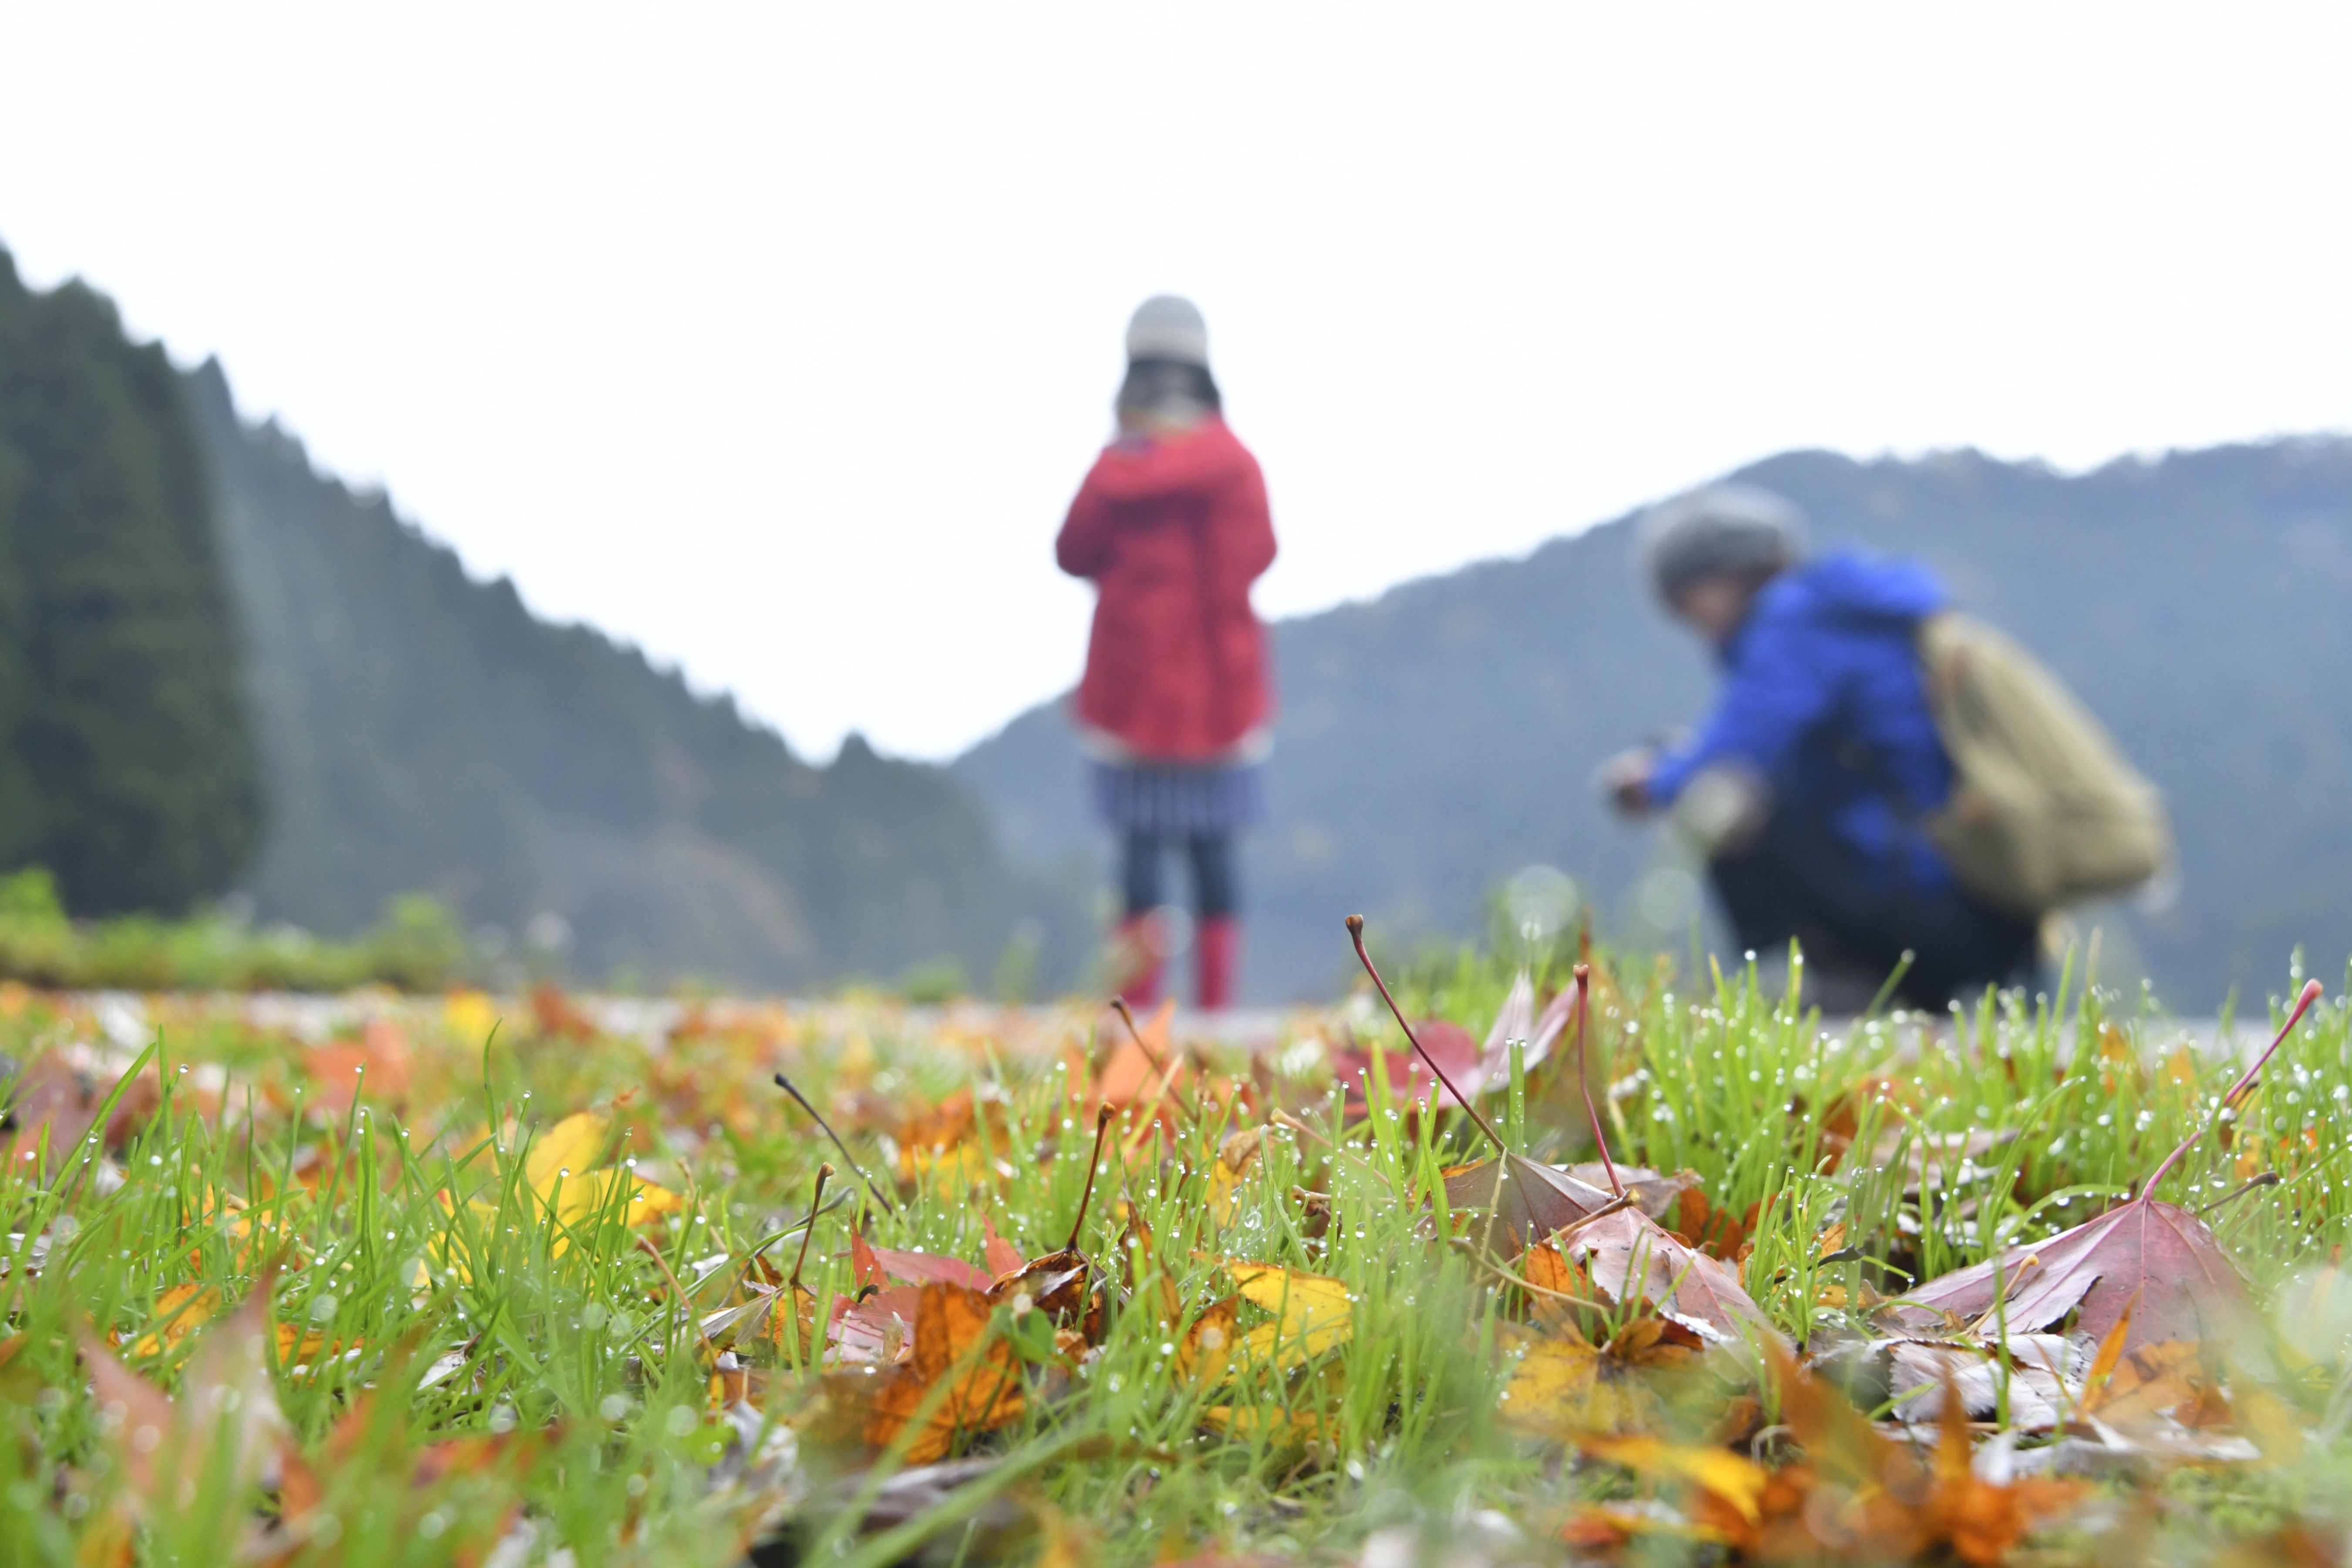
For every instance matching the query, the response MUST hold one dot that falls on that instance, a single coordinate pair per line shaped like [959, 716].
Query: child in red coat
[1171, 527]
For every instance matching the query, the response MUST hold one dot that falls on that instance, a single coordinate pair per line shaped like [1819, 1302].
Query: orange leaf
[976, 1378]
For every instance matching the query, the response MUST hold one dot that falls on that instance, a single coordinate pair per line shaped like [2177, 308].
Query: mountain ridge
[424, 731]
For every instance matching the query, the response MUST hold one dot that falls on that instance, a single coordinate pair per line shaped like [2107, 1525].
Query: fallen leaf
[2158, 1255]
[2175, 1379]
[1517, 1020]
[1236, 1157]
[1410, 1078]
[1061, 1281]
[1004, 1258]
[226, 1399]
[1312, 1313]
[1634, 1259]
[974, 1374]
[1652, 1194]
[1207, 1347]
[928, 1267]
[1882, 1503]
[1286, 1428]
[1526, 1201]
[2154, 1265]
[179, 1312]
[1735, 1482]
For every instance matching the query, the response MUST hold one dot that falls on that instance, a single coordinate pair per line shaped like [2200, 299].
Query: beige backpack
[2046, 810]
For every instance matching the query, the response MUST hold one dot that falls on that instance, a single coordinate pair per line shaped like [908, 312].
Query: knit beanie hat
[1720, 531]
[1169, 327]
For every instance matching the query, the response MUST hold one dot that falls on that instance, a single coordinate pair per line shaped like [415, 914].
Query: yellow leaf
[567, 1151]
[1554, 1375]
[1738, 1482]
[179, 1312]
[592, 1194]
[1251, 1421]
[470, 1015]
[1208, 1346]
[1312, 1314]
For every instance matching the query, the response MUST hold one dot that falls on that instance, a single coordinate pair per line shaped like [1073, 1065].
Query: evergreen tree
[127, 762]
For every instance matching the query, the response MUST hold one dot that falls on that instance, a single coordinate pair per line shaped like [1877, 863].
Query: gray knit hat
[1169, 327]
[1716, 531]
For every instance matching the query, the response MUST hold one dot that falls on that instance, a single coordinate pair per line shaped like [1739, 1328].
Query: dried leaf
[2174, 1379]
[179, 1312]
[2158, 1255]
[975, 1376]
[1208, 1346]
[928, 1269]
[226, 1398]
[1738, 1483]
[1004, 1258]
[1312, 1314]
[1652, 1194]
[1632, 1260]
[1410, 1078]
[1286, 1428]
[1236, 1156]
[1528, 1201]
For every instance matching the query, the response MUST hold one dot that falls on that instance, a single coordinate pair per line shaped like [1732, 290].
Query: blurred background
[571, 492]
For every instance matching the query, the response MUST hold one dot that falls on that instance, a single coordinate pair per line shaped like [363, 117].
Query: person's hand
[1625, 781]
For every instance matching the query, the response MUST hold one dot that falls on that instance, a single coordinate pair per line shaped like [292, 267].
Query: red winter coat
[1173, 530]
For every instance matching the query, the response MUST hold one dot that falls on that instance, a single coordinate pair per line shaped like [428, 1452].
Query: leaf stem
[1102, 1125]
[1584, 1072]
[786, 1085]
[816, 1200]
[1356, 933]
[2312, 991]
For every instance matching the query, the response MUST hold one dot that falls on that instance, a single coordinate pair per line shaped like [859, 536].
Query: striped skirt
[1178, 802]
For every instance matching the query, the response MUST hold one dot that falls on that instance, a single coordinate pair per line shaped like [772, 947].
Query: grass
[469, 1367]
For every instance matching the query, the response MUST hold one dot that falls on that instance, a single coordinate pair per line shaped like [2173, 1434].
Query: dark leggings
[1799, 880]
[1213, 893]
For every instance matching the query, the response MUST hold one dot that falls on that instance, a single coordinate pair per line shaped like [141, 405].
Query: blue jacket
[1823, 695]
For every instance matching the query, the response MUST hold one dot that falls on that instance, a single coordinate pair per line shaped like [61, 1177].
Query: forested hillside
[1439, 738]
[222, 670]
[425, 732]
[126, 764]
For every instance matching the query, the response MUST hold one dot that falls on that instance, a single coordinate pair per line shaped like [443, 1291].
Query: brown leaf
[2159, 1255]
[1632, 1259]
[1652, 1194]
[1887, 1505]
[976, 1377]
[1059, 1282]
[1004, 1258]
[2173, 1379]
[1528, 1201]
[49, 1096]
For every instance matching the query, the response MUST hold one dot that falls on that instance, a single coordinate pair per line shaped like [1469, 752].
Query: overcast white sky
[776, 339]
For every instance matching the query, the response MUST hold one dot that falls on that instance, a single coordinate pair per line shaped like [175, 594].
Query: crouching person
[1812, 785]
